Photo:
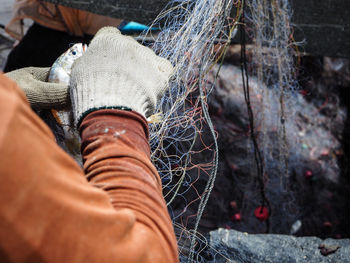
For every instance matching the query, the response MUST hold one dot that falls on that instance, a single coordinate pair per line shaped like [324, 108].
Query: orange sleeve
[49, 212]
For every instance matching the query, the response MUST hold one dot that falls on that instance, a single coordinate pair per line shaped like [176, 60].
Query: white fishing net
[194, 37]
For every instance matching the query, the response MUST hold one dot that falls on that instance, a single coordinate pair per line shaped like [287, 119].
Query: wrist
[108, 121]
[81, 118]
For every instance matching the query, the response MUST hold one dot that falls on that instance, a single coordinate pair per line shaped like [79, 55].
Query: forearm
[116, 156]
[50, 213]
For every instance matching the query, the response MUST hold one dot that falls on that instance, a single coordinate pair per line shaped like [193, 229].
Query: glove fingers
[40, 93]
[165, 71]
[165, 67]
[104, 34]
[24, 75]
[48, 96]
[118, 71]
[39, 73]
[107, 30]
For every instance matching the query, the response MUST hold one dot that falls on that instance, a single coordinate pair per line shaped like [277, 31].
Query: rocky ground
[236, 247]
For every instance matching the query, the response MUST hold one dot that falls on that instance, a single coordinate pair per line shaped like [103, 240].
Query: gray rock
[234, 246]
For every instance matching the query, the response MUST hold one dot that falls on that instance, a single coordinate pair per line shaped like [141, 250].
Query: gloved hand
[115, 72]
[40, 94]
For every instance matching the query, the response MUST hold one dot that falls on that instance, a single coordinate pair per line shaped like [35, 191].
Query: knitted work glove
[40, 94]
[117, 72]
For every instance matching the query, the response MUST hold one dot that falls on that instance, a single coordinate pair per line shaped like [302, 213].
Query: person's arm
[117, 159]
[48, 210]
[117, 72]
[40, 94]
[51, 213]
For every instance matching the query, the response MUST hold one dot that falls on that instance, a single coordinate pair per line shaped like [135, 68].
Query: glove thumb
[40, 94]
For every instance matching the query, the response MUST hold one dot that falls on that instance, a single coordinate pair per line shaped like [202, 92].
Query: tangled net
[273, 61]
[194, 37]
[274, 65]
[191, 31]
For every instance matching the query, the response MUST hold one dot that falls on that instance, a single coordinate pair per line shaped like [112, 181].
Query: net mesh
[194, 37]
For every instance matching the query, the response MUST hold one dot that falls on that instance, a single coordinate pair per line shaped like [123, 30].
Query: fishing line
[245, 81]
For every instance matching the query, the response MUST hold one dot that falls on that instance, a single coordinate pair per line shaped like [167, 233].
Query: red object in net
[308, 174]
[261, 213]
[236, 217]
